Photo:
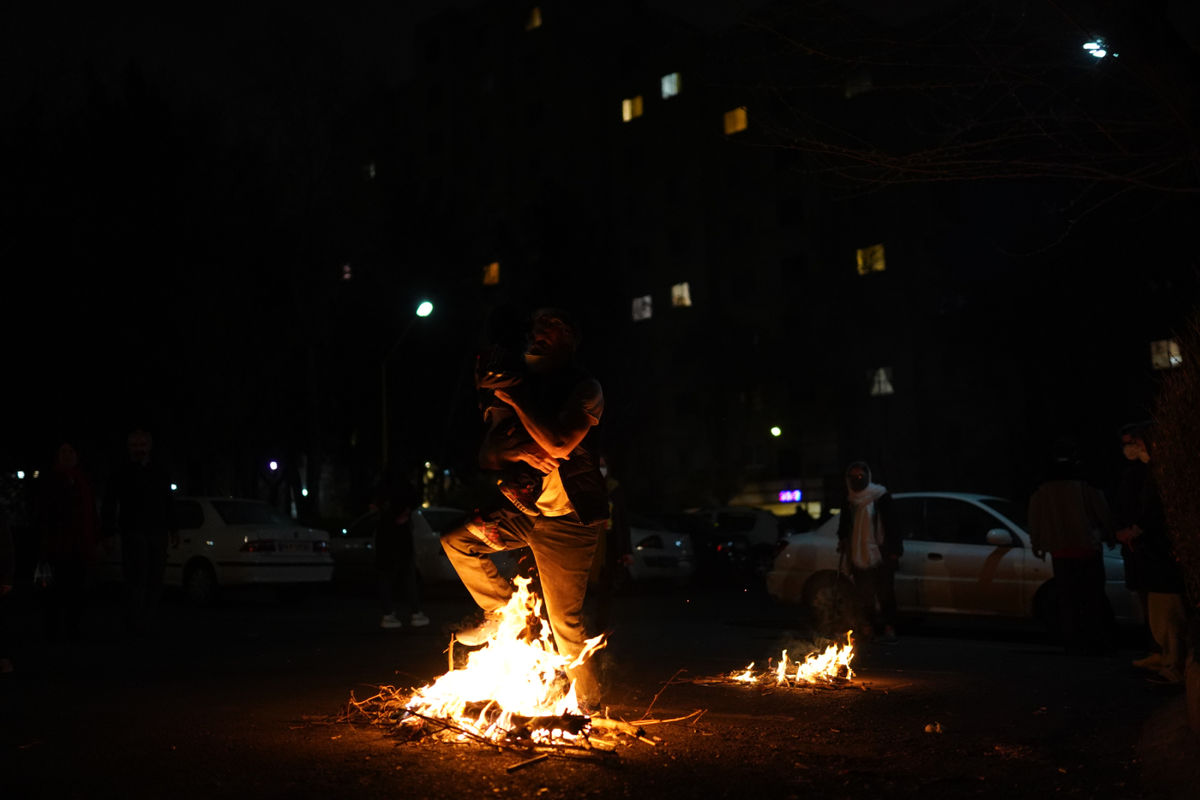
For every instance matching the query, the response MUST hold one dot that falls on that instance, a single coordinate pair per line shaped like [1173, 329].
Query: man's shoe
[479, 634]
[1153, 661]
[390, 621]
[418, 620]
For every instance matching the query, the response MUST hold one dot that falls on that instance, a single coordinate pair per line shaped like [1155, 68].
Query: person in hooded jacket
[870, 546]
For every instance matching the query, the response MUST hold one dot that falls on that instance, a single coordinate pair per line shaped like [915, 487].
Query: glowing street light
[776, 431]
[1098, 48]
[424, 309]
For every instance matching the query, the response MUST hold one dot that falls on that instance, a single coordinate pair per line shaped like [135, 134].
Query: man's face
[550, 340]
[857, 479]
[1132, 448]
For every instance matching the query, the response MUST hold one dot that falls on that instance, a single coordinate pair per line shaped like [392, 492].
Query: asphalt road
[245, 698]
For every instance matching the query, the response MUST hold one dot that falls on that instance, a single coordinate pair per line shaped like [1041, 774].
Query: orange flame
[825, 667]
[517, 672]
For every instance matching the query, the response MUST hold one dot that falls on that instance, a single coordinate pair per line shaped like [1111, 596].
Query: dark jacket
[1156, 565]
[139, 504]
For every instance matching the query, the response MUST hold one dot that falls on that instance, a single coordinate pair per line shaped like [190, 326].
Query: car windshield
[1009, 509]
[240, 512]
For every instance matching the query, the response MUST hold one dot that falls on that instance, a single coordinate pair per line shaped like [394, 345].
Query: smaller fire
[829, 666]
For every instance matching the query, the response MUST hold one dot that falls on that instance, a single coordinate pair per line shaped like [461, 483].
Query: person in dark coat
[1071, 520]
[8, 570]
[395, 560]
[870, 544]
[139, 509]
[67, 525]
[1159, 574]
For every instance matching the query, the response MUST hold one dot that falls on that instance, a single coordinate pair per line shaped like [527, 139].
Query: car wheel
[1045, 606]
[200, 583]
[829, 601]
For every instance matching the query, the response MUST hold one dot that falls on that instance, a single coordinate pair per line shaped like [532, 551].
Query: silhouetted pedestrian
[1126, 505]
[397, 501]
[67, 534]
[869, 542]
[1158, 572]
[139, 510]
[1070, 520]
[614, 553]
[8, 571]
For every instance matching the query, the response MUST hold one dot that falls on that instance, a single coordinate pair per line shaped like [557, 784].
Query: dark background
[183, 190]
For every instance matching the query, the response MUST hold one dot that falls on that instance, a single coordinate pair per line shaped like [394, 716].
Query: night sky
[177, 191]
[156, 189]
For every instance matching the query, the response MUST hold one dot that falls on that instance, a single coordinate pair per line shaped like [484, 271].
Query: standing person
[870, 542]
[559, 405]
[614, 551]
[1070, 520]
[67, 528]
[1158, 571]
[139, 509]
[8, 569]
[1126, 506]
[395, 561]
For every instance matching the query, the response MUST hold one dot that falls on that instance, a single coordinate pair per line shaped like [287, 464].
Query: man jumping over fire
[559, 406]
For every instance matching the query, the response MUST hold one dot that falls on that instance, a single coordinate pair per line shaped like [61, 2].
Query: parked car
[963, 554]
[227, 541]
[659, 554]
[732, 544]
[353, 547]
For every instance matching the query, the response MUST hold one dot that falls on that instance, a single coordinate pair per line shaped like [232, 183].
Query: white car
[963, 554]
[227, 541]
[353, 547]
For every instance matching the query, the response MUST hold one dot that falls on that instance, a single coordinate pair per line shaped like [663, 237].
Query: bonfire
[515, 688]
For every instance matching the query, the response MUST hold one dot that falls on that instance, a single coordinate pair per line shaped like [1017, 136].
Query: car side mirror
[998, 537]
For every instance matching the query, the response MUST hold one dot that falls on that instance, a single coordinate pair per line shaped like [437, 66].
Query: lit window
[670, 85]
[491, 274]
[870, 259]
[681, 295]
[1165, 354]
[535, 18]
[631, 107]
[643, 308]
[881, 382]
[735, 120]
[347, 272]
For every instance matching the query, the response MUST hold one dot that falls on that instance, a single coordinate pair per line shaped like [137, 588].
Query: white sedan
[963, 554]
[353, 548]
[226, 541]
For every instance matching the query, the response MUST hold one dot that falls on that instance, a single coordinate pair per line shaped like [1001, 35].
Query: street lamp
[424, 309]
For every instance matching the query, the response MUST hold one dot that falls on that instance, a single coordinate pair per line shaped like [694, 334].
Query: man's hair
[1137, 430]
[561, 315]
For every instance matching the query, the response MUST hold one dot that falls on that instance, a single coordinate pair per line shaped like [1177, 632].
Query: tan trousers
[563, 549]
[1167, 624]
